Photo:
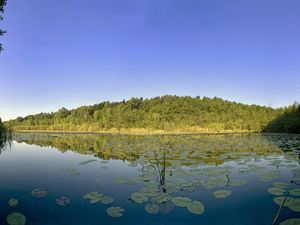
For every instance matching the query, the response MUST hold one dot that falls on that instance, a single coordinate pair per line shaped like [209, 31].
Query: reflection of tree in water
[207, 149]
[5, 142]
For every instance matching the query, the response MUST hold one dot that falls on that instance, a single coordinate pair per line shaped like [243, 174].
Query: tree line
[288, 122]
[165, 114]
[2, 4]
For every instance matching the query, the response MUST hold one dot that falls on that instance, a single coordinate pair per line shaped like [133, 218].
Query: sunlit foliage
[160, 114]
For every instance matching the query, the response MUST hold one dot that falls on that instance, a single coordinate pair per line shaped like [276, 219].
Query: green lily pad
[295, 192]
[151, 208]
[16, 218]
[93, 196]
[276, 191]
[294, 204]
[13, 202]
[280, 185]
[293, 221]
[138, 197]
[222, 193]
[165, 197]
[107, 199]
[115, 211]
[195, 207]
[279, 200]
[181, 201]
[237, 183]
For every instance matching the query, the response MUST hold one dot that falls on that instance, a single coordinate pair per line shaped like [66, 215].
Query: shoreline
[171, 133]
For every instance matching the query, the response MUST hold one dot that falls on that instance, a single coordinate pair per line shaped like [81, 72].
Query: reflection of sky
[66, 53]
[26, 167]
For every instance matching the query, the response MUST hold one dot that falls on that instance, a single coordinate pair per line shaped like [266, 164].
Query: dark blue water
[118, 166]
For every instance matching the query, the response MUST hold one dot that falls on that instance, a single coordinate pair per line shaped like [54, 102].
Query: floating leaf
[39, 193]
[181, 201]
[280, 185]
[295, 192]
[138, 197]
[196, 207]
[115, 211]
[107, 199]
[93, 196]
[279, 200]
[165, 197]
[222, 193]
[293, 221]
[276, 191]
[294, 204]
[237, 183]
[13, 202]
[151, 208]
[16, 218]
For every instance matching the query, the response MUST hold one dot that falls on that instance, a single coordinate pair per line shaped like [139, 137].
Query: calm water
[211, 180]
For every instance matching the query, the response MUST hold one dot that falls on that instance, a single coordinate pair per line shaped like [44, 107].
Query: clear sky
[72, 53]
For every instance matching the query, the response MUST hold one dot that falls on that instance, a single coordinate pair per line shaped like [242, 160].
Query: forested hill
[160, 114]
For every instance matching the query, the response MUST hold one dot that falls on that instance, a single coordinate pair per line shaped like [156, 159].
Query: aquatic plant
[16, 218]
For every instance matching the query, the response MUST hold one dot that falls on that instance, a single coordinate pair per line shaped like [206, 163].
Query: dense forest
[2, 4]
[3, 135]
[2, 129]
[288, 122]
[159, 114]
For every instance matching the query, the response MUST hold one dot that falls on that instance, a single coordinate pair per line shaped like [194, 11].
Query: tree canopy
[166, 114]
[2, 4]
[288, 122]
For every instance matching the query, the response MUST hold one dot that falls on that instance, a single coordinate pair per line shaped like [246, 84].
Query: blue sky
[72, 53]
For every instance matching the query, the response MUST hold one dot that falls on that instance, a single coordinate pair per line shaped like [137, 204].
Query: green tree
[2, 4]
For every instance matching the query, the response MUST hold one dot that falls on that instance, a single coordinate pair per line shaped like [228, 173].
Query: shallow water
[145, 175]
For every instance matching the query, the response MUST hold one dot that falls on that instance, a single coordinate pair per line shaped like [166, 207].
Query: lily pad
[294, 204]
[39, 193]
[13, 202]
[16, 218]
[138, 197]
[181, 201]
[222, 193]
[107, 199]
[195, 207]
[276, 191]
[151, 208]
[165, 197]
[293, 221]
[93, 196]
[279, 200]
[280, 185]
[295, 192]
[115, 211]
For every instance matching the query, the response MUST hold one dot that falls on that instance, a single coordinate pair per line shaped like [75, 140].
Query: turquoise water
[153, 179]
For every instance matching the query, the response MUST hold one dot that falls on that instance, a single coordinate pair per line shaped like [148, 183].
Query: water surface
[190, 179]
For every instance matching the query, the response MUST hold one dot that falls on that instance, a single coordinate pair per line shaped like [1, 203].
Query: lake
[76, 179]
